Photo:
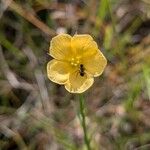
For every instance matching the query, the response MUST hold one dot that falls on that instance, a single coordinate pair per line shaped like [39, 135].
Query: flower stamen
[75, 61]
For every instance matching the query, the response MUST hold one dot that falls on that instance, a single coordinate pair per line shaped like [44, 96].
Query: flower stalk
[83, 121]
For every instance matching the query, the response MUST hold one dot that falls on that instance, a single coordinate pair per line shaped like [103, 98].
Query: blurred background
[36, 114]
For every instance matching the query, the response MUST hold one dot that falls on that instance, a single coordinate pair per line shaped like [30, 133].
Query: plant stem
[83, 121]
[112, 16]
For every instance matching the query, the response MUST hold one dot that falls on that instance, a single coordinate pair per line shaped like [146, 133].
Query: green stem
[83, 121]
[112, 16]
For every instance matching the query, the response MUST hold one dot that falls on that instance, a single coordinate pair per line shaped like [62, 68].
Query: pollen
[75, 61]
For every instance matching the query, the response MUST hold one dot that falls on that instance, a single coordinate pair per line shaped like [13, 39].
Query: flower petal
[95, 64]
[77, 83]
[84, 45]
[58, 71]
[60, 47]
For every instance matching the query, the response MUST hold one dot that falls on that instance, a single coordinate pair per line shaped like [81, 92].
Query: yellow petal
[60, 47]
[84, 45]
[58, 71]
[95, 64]
[77, 83]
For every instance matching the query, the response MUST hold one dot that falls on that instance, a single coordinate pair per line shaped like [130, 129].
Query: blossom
[77, 60]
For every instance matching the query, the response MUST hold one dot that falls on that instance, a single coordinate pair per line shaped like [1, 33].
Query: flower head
[77, 60]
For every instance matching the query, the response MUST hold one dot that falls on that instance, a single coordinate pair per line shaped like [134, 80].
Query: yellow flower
[77, 60]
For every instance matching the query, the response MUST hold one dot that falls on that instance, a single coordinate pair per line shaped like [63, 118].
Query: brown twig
[28, 15]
